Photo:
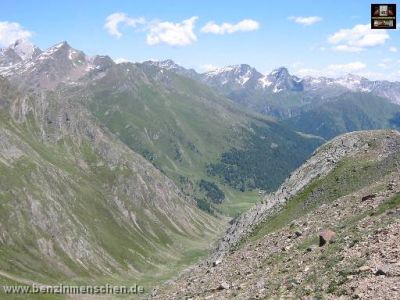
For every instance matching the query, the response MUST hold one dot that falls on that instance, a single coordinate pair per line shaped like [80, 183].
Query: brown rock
[364, 268]
[367, 197]
[326, 236]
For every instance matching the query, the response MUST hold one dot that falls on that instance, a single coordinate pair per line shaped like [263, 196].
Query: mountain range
[184, 127]
[245, 78]
[320, 106]
[126, 170]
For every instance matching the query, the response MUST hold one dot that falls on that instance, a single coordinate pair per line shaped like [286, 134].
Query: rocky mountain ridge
[280, 80]
[16, 58]
[47, 69]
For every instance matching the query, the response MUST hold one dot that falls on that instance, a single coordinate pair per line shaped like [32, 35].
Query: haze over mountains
[130, 169]
[243, 76]
[321, 106]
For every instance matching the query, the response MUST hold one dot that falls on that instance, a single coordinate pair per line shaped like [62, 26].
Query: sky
[308, 37]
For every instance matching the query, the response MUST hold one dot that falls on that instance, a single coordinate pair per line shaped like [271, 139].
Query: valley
[119, 172]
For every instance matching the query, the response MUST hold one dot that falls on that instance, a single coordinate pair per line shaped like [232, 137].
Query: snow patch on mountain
[264, 82]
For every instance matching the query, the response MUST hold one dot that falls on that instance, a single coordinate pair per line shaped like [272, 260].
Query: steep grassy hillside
[77, 205]
[351, 186]
[346, 113]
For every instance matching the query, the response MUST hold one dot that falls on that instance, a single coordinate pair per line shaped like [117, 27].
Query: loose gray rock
[223, 286]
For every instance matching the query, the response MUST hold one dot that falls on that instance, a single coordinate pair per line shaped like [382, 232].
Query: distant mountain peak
[63, 44]
[281, 71]
[20, 50]
[167, 64]
[353, 77]
[236, 69]
[102, 62]
[63, 51]
[170, 65]
[59, 63]
[25, 49]
[237, 75]
[8, 57]
[281, 80]
[244, 75]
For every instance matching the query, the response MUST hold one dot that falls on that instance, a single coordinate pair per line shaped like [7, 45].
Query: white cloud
[386, 63]
[358, 38]
[121, 60]
[173, 34]
[334, 70]
[208, 67]
[114, 20]
[158, 32]
[347, 68]
[244, 25]
[297, 64]
[308, 72]
[11, 31]
[306, 21]
[393, 49]
[347, 48]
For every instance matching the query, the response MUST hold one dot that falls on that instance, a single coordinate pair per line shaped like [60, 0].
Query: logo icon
[383, 16]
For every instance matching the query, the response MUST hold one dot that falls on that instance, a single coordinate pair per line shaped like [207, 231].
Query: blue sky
[309, 37]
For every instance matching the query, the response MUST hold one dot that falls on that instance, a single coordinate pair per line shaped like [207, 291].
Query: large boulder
[326, 236]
